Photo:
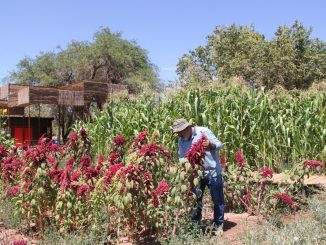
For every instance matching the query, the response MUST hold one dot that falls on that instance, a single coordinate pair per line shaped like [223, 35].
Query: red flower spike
[155, 200]
[83, 132]
[100, 160]
[75, 176]
[162, 188]
[50, 159]
[92, 172]
[197, 152]
[82, 190]
[65, 176]
[13, 191]
[152, 150]
[85, 163]
[247, 196]
[313, 163]
[148, 179]
[285, 198]
[266, 172]
[119, 140]
[113, 157]
[140, 140]
[240, 159]
[111, 173]
[73, 137]
[55, 175]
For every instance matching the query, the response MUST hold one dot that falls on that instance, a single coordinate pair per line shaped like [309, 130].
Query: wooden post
[59, 123]
[29, 121]
[39, 120]
[8, 118]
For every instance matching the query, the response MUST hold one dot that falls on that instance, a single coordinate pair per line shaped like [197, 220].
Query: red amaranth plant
[240, 159]
[314, 164]
[92, 172]
[247, 197]
[113, 157]
[50, 159]
[266, 172]
[162, 188]
[82, 190]
[197, 152]
[65, 179]
[75, 176]
[13, 191]
[141, 139]
[119, 140]
[11, 167]
[85, 163]
[148, 179]
[286, 199]
[111, 173]
[100, 161]
[151, 150]
[131, 172]
[155, 200]
[55, 175]
[83, 132]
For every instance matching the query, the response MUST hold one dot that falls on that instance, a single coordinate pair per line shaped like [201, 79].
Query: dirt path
[12, 236]
[235, 228]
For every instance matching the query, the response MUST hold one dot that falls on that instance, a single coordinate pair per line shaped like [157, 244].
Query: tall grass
[276, 131]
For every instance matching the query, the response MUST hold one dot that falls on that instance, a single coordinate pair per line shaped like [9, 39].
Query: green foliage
[5, 141]
[193, 234]
[9, 219]
[291, 58]
[139, 191]
[274, 131]
[109, 58]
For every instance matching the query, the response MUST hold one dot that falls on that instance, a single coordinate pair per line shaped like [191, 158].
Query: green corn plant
[274, 131]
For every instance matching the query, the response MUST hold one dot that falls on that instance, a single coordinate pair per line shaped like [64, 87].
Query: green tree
[109, 58]
[230, 51]
[292, 58]
[297, 60]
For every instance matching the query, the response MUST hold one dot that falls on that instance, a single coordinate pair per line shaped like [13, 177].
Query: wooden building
[14, 98]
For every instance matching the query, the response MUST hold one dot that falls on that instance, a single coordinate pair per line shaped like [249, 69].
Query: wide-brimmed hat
[180, 124]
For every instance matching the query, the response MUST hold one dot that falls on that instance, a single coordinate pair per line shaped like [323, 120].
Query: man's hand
[207, 144]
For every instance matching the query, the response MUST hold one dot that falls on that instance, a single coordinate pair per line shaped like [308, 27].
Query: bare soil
[235, 228]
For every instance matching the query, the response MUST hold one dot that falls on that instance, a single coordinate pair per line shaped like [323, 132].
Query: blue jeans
[215, 185]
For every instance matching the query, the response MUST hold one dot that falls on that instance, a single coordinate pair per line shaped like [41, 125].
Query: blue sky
[167, 29]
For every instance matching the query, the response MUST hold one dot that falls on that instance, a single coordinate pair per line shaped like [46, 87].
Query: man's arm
[213, 143]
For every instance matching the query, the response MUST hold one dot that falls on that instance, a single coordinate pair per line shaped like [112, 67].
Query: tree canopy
[109, 58]
[291, 58]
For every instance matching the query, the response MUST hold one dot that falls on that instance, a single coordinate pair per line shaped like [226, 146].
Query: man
[188, 135]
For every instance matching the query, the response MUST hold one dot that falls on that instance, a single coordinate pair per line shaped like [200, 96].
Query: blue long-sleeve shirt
[212, 166]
